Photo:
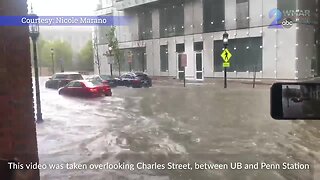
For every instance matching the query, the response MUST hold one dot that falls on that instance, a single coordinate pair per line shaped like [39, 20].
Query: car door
[78, 89]
[127, 79]
[67, 90]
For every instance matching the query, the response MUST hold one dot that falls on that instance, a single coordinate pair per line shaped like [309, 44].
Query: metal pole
[52, 63]
[184, 76]
[254, 77]
[225, 77]
[225, 71]
[40, 72]
[111, 70]
[98, 59]
[36, 74]
[143, 62]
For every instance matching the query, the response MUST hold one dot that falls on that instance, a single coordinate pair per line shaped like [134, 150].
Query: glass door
[199, 66]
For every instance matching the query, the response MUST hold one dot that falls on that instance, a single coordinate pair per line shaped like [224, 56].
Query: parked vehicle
[83, 88]
[105, 79]
[135, 80]
[59, 80]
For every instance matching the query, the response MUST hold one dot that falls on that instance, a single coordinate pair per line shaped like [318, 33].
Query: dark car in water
[83, 88]
[59, 80]
[135, 80]
[105, 79]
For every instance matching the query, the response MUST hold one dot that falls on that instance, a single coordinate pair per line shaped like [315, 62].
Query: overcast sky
[63, 7]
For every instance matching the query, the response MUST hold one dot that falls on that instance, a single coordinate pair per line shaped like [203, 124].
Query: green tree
[62, 54]
[114, 44]
[85, 57]
[40, 43]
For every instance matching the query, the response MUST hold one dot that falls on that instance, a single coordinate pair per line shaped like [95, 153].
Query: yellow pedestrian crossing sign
[226, 55]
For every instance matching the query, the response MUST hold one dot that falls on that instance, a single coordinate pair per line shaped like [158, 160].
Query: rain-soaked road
[200, 123]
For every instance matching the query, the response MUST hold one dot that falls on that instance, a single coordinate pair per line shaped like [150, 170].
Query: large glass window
[171, 19]
[198, 46]
[145, 25]
[242, 14]
[138, 59]
[287, 7]
[101, 34]
[246, 55]
[180, 48]
[164, 65]
[213, 15]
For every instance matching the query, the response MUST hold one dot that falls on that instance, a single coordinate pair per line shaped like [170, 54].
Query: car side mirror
[50, 78]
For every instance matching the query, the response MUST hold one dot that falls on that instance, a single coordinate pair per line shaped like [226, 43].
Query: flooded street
[198, 124]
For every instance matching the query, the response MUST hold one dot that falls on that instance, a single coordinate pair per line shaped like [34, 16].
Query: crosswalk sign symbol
[226, 55]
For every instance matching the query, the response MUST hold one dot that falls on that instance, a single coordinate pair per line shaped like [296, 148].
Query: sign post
[226, 55]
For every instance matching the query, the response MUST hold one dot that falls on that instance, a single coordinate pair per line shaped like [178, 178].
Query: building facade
[160, 30]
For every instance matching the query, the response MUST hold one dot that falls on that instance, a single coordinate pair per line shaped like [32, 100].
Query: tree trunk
[119, 67]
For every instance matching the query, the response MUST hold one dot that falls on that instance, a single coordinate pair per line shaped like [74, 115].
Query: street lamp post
[34, 34]
[52, 53]
[110, 53]
[96, 46]
[225, 44]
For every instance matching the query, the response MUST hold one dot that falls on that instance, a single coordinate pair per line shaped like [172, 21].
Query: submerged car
[83, 88]
[59, 80]
[135, 80]
[105, 79]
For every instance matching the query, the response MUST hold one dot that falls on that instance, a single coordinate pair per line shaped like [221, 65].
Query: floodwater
[171, 124]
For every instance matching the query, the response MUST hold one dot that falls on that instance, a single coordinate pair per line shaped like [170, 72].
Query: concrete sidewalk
[247, 82]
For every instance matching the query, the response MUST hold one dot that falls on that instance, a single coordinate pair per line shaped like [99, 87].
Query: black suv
[59, 80]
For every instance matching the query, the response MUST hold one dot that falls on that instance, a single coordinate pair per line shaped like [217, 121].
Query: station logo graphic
[285, 18]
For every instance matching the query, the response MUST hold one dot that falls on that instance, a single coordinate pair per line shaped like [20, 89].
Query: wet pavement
[202, 123]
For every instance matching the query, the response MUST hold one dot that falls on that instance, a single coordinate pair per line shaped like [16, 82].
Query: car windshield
[75, 77]
[68, 76]
[105, 77]
[91, 83]
[60, 76]
[141, 75]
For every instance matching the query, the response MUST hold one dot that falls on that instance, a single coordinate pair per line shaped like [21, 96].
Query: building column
[17, 122]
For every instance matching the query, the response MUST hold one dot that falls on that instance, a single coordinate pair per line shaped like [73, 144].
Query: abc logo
[287, 23]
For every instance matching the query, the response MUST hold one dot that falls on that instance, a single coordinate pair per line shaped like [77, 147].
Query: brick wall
[17, 127]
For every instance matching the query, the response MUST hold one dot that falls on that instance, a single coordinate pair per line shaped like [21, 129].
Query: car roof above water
[67, 73]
